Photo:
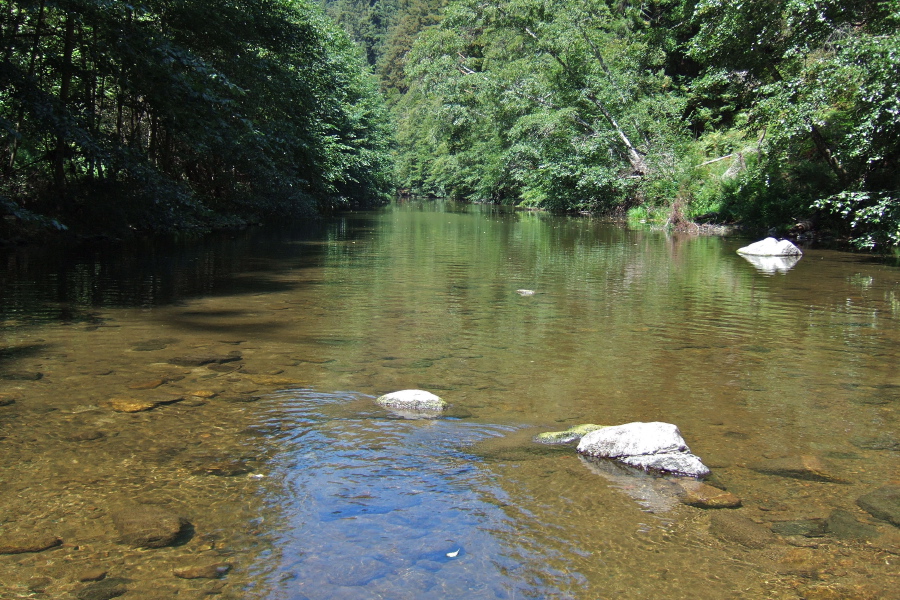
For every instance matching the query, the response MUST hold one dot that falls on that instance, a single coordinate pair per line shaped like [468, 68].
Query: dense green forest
[164, 114]
[771, 113]
[170, 114]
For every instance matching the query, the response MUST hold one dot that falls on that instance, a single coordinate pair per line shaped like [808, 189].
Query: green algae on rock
[572, 434]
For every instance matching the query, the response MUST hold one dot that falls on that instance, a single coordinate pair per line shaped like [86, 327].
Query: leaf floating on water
[453, 554]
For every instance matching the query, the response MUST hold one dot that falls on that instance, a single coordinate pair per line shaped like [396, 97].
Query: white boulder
[651, 446]
[677, 463]
[770, 247]
[412, 400]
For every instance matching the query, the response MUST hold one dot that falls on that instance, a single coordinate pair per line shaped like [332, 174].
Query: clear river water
[230, 382]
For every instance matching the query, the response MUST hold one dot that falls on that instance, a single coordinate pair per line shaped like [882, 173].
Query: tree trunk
[59, 158]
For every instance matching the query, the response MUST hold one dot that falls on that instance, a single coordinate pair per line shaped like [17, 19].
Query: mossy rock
[572, 434]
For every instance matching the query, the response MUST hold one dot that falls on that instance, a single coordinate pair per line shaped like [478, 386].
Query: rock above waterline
[572, 434]
[651, 446]
[771, 247]
[412, 400]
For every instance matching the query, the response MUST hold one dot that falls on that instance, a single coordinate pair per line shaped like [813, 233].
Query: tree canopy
[164, 113]
[762, 111]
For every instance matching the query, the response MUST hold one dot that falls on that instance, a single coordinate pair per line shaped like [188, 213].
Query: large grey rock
[413, 400]
[633, 439]
[770, 247]
[651, 446]
[677, 463]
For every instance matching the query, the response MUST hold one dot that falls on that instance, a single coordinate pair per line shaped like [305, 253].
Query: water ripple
[382, 507]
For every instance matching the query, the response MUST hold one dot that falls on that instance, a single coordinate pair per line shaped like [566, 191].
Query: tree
[167, 114]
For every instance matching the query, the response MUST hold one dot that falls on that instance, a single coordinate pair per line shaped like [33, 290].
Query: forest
[771, 114]
[161, 115]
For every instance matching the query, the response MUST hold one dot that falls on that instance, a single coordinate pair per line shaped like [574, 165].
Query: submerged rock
[842, 524]
[804, 527]
[731, 527]
[148, 526]
[213, 571]
[21, 376]
[27, 541]
[770, 247]
[572, 434]
[413, 400]
[883, 503]
[653, 446]
[133, 405]
[198, 360]
[807, 467]
[702, 495]
[104, 590]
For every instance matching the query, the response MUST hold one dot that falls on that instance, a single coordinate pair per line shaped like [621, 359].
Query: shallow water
[289, 473]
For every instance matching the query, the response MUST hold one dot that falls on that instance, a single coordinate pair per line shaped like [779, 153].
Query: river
[252, 360]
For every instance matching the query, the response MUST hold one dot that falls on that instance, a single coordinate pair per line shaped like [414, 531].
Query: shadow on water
[64, 283]
[11, 354]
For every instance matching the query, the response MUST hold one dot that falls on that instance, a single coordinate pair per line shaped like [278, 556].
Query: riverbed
[229, 383]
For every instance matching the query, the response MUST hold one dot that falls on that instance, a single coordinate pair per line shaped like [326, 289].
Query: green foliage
[590, 104]
[161, 114]
[874, 217]
[549, 104]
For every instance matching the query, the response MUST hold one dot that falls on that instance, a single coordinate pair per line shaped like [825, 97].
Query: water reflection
[623, 326]
[771, 265]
